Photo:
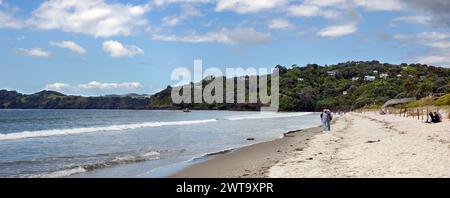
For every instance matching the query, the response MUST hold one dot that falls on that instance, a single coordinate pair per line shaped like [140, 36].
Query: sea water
[126, 143]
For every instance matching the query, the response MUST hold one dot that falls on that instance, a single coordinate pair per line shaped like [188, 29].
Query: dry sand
[360, 145]
[372, 145]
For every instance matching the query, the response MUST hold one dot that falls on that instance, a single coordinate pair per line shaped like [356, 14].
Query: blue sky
[97, 47]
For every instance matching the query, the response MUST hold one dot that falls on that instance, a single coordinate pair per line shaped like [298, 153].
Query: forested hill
[343, 86]
[55, 100]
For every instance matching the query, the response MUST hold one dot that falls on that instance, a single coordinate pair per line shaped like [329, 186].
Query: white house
[384, 75]
[375, 71]
[300, 79]
[344, 93]
[332, 73]
[355, 78]
[369, 78]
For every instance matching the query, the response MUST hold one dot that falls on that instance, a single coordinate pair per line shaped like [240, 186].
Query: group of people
[434, 118]
[326, 118]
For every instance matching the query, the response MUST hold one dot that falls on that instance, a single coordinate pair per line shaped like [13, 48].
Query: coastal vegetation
[344, 86]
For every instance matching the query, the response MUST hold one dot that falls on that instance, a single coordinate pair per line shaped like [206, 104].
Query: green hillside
[343, 86]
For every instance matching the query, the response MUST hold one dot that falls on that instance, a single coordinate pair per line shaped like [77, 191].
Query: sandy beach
[360, 145]
[252, 161]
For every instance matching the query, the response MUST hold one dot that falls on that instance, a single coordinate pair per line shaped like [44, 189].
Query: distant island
[343, 86]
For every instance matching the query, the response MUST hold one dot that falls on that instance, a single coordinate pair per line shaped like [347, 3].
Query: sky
[98, 47]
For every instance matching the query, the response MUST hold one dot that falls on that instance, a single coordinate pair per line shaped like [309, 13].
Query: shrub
[443, 100]
[427, 101]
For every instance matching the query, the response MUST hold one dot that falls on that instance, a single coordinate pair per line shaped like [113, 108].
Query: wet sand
[252, 161]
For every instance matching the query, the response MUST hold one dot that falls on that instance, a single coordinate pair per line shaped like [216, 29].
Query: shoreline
[371, 145]
[253, 161]
[360, 145]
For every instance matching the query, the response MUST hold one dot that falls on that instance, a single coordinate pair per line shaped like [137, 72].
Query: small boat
[186, 110]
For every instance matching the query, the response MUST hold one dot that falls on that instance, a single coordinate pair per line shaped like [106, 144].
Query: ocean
[127, 143]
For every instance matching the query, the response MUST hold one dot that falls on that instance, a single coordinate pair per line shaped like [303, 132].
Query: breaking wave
[59, 132]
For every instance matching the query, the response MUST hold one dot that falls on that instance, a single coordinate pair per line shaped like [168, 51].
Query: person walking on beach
[329, 118]
[325, 116]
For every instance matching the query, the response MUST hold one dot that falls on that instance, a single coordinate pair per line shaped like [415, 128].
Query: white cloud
[167, 2]
[424, 38]
[117, 49]
[338, 30]
[438, 9]
[325, 3]
[93, 86]
[187, 11]
[377, 5]
[7, 20]
[235, 36]
[35, 52]
[437, 45]
[334, 8]
[7, 17]
[69, 45]
[440, 44]
[304, 10]
[57, 86]
[280, 24]
[94, 17]
[433, 59]
[248, 6]
[437, 59]
[420, 19]
[312, 11]
[108, 86]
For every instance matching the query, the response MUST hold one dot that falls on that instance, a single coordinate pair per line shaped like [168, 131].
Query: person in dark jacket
[430, 118]
[326, 118]
[437, 118]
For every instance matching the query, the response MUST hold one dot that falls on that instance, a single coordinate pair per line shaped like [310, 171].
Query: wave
[126, 159]
[59, 132]
[266, 115]
[60, 173]
[212, 154]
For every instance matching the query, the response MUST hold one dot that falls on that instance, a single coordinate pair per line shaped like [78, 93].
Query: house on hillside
[355, 78]
[332, 73]
[384, 75]
[369, 78]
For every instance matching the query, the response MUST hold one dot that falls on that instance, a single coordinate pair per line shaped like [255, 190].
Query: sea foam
[59, 132]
